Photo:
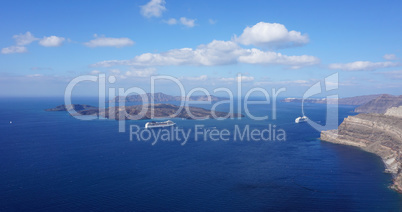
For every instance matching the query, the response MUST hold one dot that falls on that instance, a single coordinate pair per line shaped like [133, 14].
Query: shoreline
[388, 156]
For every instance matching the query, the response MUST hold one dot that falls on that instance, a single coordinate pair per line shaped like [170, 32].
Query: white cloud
[146, 72]
[235, 79]
[390, 57]
[154, 8]
[95, 72]
[52, 41]
[187, 22]
[115, 71]
[212, 21]
[362, 65]
[14, 49]
[35, 75]
[257, 56]
[109, 42]
[212, 54]
[271, 35]
[24, 39]
[21, 40]
[183, 20]
[171, 21]
[289, 82]
[199, 78]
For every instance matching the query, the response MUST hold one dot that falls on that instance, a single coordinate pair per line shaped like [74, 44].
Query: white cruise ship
[301, 119]
[154, 124]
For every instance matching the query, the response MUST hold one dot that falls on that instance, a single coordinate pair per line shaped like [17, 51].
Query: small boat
[154, 124]
[301, 119]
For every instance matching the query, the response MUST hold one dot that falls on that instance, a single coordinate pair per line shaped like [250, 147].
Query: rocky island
[376, 132]
[76, 107]
[152, 111]
[161, 97]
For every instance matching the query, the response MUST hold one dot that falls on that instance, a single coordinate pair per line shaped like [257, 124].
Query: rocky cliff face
[394, 111]
[376, 133]
[380, 104]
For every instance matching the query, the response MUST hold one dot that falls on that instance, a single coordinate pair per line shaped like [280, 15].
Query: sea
[52, 161]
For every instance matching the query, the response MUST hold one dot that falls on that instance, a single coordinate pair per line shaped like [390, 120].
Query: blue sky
[273, 44]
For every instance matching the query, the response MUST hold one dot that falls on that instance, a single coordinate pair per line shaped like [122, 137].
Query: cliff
[380, 134]
[380, 104]
[161, 97]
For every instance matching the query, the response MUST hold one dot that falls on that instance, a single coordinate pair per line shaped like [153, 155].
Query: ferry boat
[154, 124]
[301, 119]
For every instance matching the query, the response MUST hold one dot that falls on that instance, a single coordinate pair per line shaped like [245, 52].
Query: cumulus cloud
[183, 21]
[272, 35]
[21, 40]
[51, 41]
[390, 57]
[24, 39]
[212, 21]
[187, 22]
[362, 65]
[171, 21]
[212, 54]
[256, 56]
[146, 72]
[14, 49]
[154, 8]
[109, 42]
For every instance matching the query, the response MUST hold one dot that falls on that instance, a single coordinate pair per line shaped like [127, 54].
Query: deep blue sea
[51, 161]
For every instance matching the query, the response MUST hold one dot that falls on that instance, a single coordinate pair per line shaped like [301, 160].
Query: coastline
[374, 133]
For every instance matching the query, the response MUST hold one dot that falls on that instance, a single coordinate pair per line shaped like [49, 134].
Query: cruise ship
[301, 119]
[154, 124]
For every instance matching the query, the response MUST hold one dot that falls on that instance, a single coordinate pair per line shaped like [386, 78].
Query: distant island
[377, 129]
[357, 100]
[76, 107]
[161, 97]
[159, 111]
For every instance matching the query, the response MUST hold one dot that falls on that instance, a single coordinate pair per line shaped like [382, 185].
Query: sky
[205, 44]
